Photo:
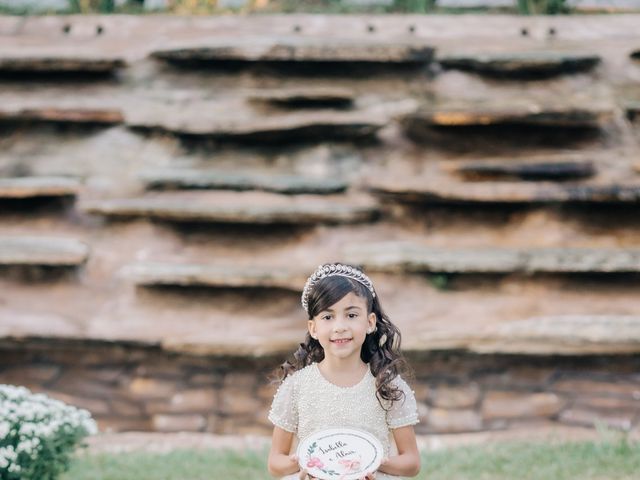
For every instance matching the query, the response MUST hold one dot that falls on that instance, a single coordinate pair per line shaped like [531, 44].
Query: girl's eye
[353, 315]
[326, 317]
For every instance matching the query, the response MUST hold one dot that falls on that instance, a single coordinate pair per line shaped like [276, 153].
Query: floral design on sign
[340, 454]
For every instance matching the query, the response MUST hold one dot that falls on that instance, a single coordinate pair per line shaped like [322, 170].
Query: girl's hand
[303, 473]
[372, 475]
[305, 476]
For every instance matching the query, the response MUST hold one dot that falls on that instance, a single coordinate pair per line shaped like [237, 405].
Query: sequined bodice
[323, 405]
[307, 402]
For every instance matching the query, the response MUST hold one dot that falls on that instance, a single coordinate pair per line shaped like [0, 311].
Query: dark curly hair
[381, 348]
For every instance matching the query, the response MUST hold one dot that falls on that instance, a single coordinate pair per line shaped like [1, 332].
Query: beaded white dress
[306, 402]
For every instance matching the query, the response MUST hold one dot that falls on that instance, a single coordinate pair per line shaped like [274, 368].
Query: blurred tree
[548, 7]
[92, 6]
[414, 6]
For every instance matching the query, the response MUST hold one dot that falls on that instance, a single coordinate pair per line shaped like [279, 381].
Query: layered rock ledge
[407, 257]
[427, 190]
[521, 64]
[213, 275]
[224, 180]
[25, 187]
[43, 251]
[299, 49]
[243, 207]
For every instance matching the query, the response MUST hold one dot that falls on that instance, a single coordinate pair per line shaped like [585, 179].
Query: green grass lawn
[619, 460]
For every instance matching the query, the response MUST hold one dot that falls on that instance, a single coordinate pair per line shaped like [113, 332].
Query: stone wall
[128, 387]
[483, 172]
[166, 189]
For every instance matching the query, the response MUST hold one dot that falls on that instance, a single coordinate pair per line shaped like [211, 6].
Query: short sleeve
[284, 409]
[403, 412]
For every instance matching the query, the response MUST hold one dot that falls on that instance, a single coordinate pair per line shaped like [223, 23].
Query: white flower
[5, 428]
[28, 422]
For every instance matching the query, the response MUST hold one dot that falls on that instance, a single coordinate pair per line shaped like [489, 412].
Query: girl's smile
[342, 328]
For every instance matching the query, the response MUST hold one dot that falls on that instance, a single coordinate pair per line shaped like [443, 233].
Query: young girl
[345, 374]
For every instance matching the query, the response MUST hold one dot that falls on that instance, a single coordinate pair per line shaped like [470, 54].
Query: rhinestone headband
[330, 270]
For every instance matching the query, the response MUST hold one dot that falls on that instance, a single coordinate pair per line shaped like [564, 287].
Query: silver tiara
[330, 270]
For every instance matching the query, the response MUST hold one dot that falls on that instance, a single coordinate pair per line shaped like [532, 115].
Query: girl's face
[341, 329]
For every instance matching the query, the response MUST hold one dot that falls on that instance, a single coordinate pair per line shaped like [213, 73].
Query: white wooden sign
[340, 454]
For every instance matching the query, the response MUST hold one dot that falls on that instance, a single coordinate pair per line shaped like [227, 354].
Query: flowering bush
[38, 434]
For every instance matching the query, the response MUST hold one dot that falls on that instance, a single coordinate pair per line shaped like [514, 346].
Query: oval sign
[340, 453]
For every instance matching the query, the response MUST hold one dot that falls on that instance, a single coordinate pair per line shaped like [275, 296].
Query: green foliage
[611, 458]
[441, 281]
[26, 10]
[619, 459]
[208, 7]
[176, 465]
[92, 6]
[414, 6]
[38, 434]
[546, 7]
